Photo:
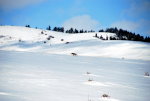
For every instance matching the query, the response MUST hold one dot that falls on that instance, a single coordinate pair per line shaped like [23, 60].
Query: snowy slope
[45, 77]
[33, 68]
[32, 40]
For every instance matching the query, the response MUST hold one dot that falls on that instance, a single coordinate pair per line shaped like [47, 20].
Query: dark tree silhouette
[27, 26]
[48, 28]
[101, 30]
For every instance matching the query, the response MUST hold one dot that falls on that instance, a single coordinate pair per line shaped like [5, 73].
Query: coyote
[105, 95]
[74, 54]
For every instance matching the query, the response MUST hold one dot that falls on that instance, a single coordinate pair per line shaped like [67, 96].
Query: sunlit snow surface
[31, 70]
[45, 77]
[84, 44]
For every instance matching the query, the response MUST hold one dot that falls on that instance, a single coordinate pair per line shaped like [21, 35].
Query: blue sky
[133, 15]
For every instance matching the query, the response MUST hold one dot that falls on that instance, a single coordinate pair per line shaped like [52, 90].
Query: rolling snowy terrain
[37, 65]
[14, 38]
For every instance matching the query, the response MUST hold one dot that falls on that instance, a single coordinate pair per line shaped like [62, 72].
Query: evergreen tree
[27, 26]
[62, 29]
[55, 29]
[101, 30]
[48, 28]
[81, 31]
[71, 30]
[85, 31]
[75, 31]
[147, 39]
[67, 31]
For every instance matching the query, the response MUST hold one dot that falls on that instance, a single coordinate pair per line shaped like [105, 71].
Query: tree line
[71, 30]
[126, 35]
[120, 33]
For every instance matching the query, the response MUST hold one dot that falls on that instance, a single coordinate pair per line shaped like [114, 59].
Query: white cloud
[141, 26]
[141, 8]
[13, 4]
[81, 22]
[128, 25]
[145, 26]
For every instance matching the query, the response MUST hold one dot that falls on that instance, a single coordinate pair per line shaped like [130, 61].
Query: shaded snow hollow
[32, 40]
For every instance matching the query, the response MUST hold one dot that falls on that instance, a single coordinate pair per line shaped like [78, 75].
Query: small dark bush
[88, 73]
[105, 95]
[146, 74]
[67, 42]
[1, 36]
[48, 38]
[20, 40]
[52, 36]
[42, 32]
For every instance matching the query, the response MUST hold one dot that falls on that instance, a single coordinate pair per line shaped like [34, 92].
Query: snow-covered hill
[35, 65]
[26, 76]
[15, 38]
